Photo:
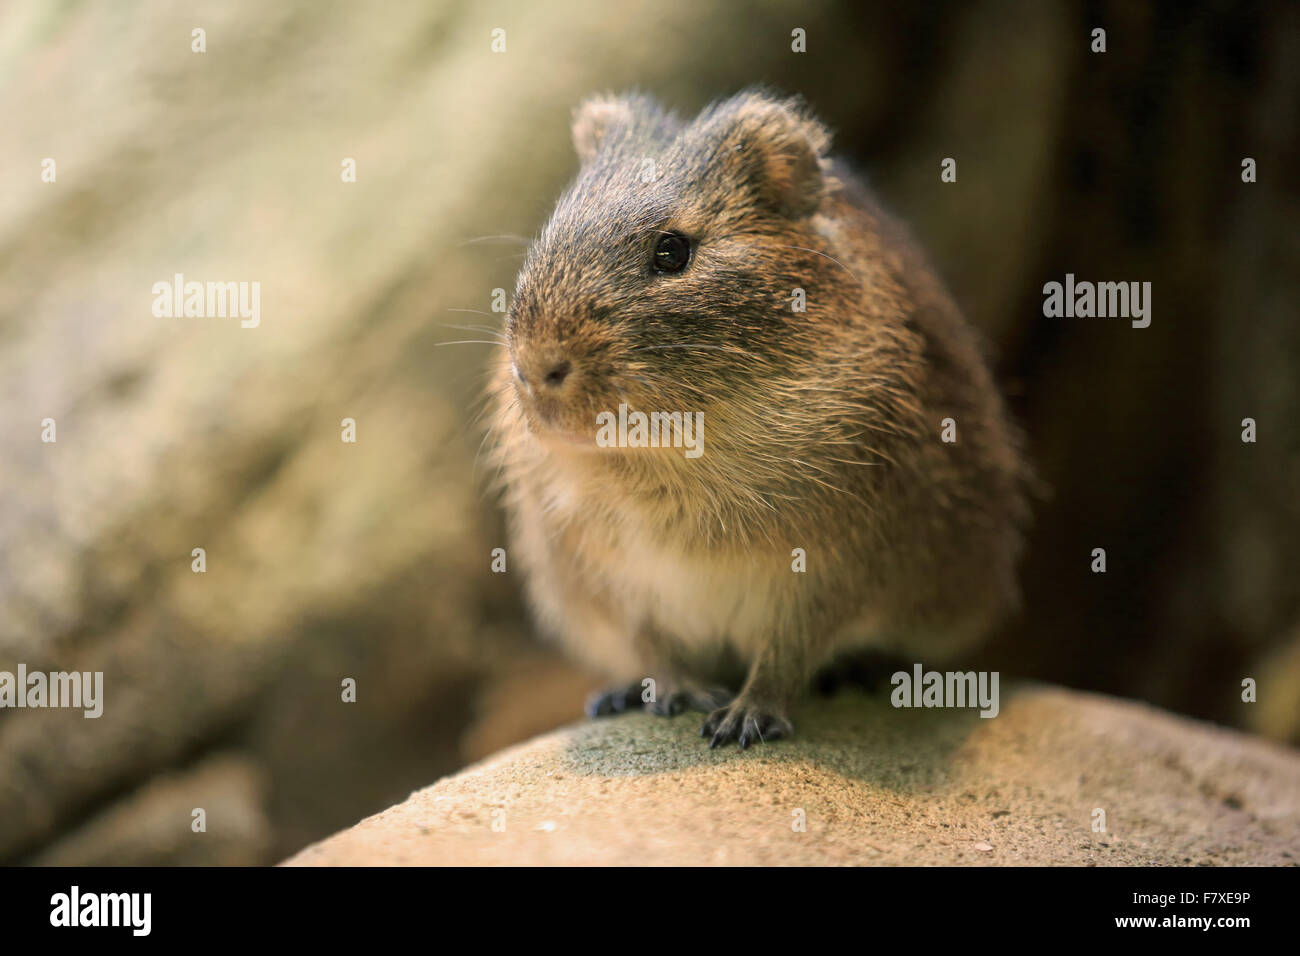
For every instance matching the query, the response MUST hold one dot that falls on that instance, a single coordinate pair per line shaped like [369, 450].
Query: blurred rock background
[328, 560]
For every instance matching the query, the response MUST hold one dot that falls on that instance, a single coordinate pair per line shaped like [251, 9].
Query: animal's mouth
[557, 426]
[573, 407]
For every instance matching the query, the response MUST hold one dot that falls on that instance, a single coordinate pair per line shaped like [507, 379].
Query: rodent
[675, 291]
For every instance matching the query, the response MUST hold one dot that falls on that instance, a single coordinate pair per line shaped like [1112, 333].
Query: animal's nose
[544, 373]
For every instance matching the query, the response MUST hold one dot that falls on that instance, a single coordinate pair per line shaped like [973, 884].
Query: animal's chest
[699, 596]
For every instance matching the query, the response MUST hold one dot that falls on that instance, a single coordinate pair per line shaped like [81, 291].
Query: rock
[154, 825]
[875, 785]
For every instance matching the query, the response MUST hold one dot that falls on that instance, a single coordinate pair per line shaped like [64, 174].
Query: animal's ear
[593, 120]
[779, 148]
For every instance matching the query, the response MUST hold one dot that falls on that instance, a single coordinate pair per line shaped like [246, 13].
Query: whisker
[503, 238]
[823, 255]
[475, 328]
[733, 349]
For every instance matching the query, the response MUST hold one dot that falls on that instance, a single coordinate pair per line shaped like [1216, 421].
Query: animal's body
[826, 510]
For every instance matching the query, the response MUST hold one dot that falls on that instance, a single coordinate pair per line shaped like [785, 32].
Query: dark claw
[745, 724]
[615, 701]
[680, 701]
[670, 706]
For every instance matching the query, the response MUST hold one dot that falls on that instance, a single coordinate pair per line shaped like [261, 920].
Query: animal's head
[665, 277]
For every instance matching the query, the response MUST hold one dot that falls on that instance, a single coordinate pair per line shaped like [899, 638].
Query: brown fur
[822, 428]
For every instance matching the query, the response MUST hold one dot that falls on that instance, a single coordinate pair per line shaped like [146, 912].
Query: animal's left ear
[781, 149]
[593, 120]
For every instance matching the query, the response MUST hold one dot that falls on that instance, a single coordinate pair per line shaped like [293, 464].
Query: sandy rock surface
[875, 785]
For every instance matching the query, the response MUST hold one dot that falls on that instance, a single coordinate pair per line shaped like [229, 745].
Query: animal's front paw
[615, 700]
[675, 702]
[746, 723]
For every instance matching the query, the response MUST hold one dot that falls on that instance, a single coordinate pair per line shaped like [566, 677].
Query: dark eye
[672, 253]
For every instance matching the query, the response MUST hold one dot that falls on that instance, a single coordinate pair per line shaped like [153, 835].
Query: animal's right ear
[779, 148]
[594, 118]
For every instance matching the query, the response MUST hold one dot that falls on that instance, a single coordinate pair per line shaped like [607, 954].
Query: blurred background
[371, 561]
